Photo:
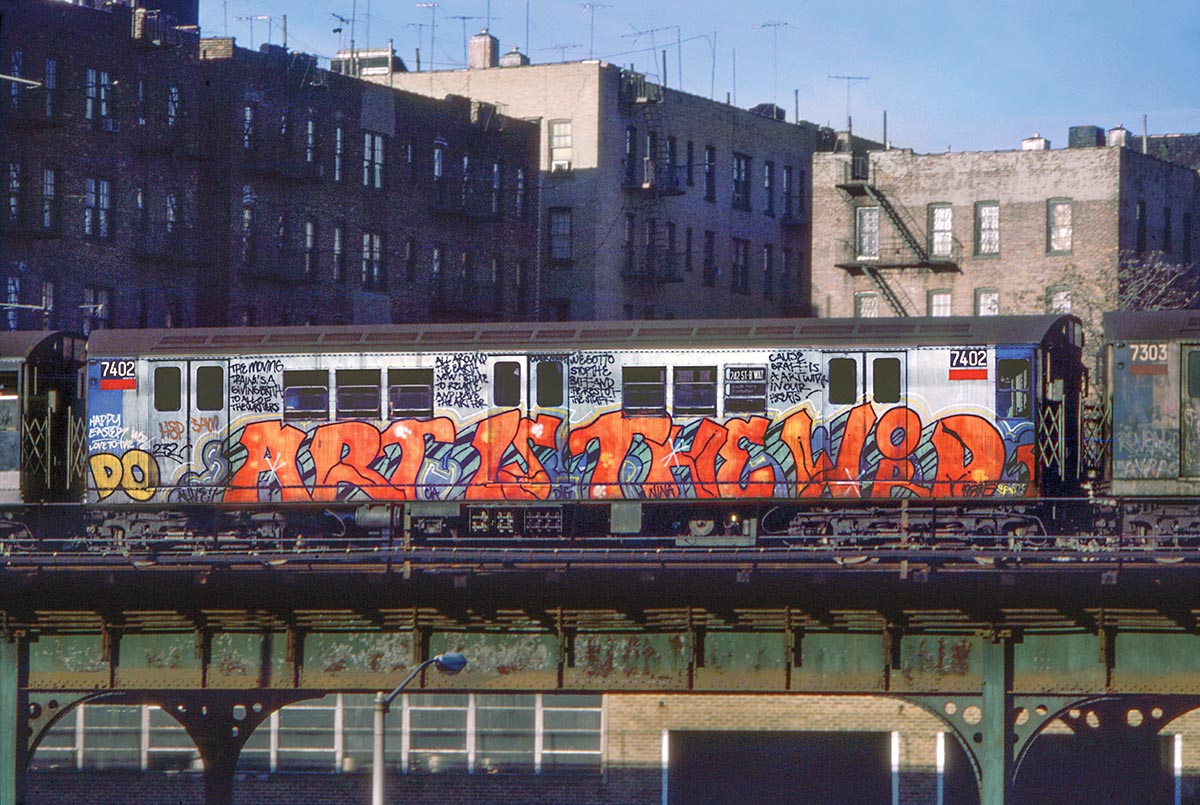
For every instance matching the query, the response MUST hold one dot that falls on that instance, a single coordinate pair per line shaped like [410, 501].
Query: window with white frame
[372, 160]
[173, 105]
[13, 186]
[372, 261]
[50, 87]
[741, 181]
[339, 260]
[939, 303]
[97, 93]
[769, 186]
[249, 112]
[12, 295]
[987, 228]
[310, 247]
[1058, 299]
[339, 147]
[497, 181]
[172, 212]
[97, 310]
[560, 235]
[710, 173]
[49, 199]
[49, 304]
[1059, 226]
[560, 145]
[521, 193]
[866, 233]
[310, 141]
[866, 305]
[941, 230]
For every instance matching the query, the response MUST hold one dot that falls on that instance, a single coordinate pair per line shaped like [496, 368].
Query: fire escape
[908, 248]
[653, 257]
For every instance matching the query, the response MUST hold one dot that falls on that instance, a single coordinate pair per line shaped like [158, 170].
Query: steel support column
[14, 727]
[995, 752]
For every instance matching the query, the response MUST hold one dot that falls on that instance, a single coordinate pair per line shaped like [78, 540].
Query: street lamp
[449, 663]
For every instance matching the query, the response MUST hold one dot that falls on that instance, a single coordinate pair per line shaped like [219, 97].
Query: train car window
[695, 391]
[745, 389]
[1013, 386]
[644, 390]
[306, 394]
[1193, 369]
[506, 384]
[887, 380]
[8, 385]
[357, 394]
[210, 388]
[843, 381]
[549, 384]
[410, 393]
[168, 388]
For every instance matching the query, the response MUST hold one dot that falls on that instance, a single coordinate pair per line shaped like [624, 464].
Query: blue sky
[972, 75]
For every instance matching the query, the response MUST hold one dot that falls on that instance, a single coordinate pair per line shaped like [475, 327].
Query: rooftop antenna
[250, 19]
[850, 80]
[590, 8]
[774, 25]
[562, 49]
[464, 18]
[341, 29]
[433, 7]
[654, 46]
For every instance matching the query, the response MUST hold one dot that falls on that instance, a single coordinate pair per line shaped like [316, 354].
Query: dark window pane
[506, 384]
[168, 395]
[887, 380]
[210, 388]
[358, 393]
[1013, 378]
[696, 391]
[1194, 373]
[549, 384]
[843, 380]
[306, 394]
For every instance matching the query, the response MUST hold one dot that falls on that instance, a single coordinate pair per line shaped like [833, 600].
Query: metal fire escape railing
[886, 291]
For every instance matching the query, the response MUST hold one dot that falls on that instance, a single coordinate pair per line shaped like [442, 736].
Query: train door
[877, 377]
[207, 416]
[1189, 409]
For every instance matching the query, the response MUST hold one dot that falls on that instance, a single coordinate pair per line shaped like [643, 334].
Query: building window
[631, 153]
[560, 145]
[628, 243]
[172, 212]
[1058, 300]
[741, 181]
[173, 102]
[560, 235]
[16, 86]
[13, 207]
[97, 202]
[339, 145]
[710, 173]
[741, 265]
[49, 305]
[789, 198]
[691, 163]
[140, 212]
[866, 305]
[672, 177]
[12, 296]
[768, 265]
[987, 228]
[310, 141]
[1059, 226]
[941, 230]
[439, 161]
[1186, 254]
[372, 261]
[866, 239]
[520, 194]
[769, 186]
[97, 312]
[249, 243]
[281, 236]
[497, 286]
[710, 257]
[310, 247]
[248, 112]
[672, 266]
[785, 275]
[50, 87]
[687, 250]
[98, 92]
[987, 302]
[497, 184]
[939, 303]
[140, 94]
[1166, 237]
[410, 162]
[410, 258]
[339, 260]
[49, 199]
[522, 287]
[372, 160]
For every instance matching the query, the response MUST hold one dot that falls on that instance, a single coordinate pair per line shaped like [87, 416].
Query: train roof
[1128, 325]
[26, 344]
[568, 336]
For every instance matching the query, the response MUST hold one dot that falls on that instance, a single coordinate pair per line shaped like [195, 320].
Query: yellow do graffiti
[135, 473]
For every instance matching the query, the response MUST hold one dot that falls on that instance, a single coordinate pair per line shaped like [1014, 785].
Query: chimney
[1118, 136]
[483, 51]
[514, 58]
[1035, 143]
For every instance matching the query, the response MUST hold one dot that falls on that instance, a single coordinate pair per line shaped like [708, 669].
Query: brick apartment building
[655, 203]
[340, 201]
[1029, 231]
[100, 170]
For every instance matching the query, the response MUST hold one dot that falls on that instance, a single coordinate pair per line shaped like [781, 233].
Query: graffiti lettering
[135, 473]
[204, 424]
[172, 429]
[794, 377]
[254, 386]
[169, 450]
[460, 380]
[590, 379]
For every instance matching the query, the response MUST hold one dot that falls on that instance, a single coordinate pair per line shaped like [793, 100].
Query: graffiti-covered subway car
[674, 428]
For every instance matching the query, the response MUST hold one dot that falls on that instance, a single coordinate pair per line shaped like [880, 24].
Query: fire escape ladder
[658, 173]
[885, 290]
[898, 221]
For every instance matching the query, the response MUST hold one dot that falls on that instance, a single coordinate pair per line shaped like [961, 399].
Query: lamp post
[449, 663]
